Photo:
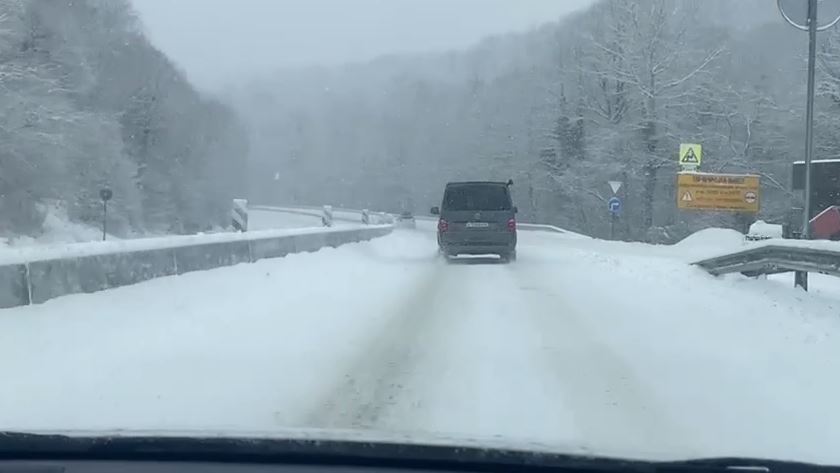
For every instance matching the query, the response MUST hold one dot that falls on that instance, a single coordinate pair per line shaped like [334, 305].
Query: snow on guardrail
[776, 255]
[28, 254]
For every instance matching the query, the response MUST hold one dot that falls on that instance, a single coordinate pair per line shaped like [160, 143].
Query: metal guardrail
[772, 259]
[380, 217]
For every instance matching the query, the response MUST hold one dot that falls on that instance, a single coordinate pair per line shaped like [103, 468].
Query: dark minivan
[477, 218]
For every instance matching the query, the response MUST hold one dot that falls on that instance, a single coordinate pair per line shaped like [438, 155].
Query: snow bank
[56, 229]
[820, 285]
[700, 245]
[700, 366]
[762, 228]
[815, 244]
[719, 238]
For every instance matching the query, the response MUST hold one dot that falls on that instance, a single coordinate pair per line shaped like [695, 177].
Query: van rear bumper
[469, 243]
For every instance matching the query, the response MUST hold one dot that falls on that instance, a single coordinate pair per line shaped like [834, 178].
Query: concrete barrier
[53, 278]
[14, 289]
[272, 247]
[94, 268]
[212, 255]
[309, 243]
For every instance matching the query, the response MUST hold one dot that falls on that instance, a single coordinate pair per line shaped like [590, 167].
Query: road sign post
[614, 205]
[105, 194]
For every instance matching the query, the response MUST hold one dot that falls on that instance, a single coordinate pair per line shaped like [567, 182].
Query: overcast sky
[221, 41]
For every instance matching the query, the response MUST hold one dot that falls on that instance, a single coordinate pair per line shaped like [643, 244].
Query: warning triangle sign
[686, 197]
[690, 157]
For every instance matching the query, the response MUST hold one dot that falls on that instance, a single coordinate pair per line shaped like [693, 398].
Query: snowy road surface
[581, 344]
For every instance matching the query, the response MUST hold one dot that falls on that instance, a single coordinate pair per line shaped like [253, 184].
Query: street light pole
[801, 277]
[809, 120]
[791, 10]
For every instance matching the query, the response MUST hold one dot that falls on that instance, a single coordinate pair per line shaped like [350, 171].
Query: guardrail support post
[239, 215]
[327, 217]
[800, 279]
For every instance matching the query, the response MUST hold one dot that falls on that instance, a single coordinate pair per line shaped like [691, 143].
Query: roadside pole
[792, 11]
[614, 205]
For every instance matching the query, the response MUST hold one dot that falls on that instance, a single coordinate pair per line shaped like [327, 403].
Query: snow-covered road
[607, 347]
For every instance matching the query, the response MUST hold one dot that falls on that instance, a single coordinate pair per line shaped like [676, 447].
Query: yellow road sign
[727, 192]
[691, 155]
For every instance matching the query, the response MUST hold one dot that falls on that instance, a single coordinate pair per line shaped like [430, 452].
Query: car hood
[383, 437]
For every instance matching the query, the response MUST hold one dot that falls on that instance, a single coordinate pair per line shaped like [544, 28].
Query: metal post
[801, 278]
[612, 226]
[809, 115]
[104, 218]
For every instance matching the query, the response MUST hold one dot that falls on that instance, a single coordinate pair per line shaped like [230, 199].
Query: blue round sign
[614, 205]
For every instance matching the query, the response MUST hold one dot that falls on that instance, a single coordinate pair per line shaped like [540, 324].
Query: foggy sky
[218, 42]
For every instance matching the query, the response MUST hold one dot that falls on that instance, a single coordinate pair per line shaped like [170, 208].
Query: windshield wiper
[744, 465]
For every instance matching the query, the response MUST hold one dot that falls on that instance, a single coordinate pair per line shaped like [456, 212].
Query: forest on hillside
[605, 94]
[88, 103]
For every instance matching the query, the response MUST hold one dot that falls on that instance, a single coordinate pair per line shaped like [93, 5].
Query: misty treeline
[88, 103]
[605, 94]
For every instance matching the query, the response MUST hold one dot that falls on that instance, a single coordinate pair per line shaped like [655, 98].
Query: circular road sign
[795, 12]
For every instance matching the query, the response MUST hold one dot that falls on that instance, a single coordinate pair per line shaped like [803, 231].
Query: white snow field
[581, 345]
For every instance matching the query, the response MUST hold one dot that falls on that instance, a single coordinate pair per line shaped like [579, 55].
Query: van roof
[468, 183]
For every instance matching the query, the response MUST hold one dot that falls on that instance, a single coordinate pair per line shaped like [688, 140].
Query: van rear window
[477, 197]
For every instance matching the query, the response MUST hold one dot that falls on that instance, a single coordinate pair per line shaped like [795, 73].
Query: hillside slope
[88, 103]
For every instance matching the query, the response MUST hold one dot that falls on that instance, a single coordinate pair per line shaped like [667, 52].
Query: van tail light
[443, 226]
[511, 225]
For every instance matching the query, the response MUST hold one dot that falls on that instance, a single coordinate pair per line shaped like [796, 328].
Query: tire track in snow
[375, 380]
[483, 379]
[458, 361]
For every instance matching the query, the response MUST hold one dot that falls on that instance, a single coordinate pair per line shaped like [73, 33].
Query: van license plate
[477, 224]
